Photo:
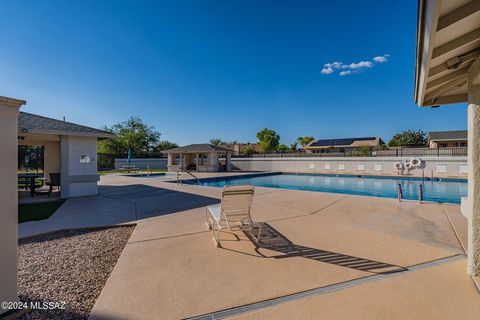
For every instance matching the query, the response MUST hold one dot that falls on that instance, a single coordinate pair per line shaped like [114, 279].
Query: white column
[213, 163]
[9, 109]
[473, 215]
[197, 155]
[170, 159]
[78, 166]
[64, 166]
[228, 161]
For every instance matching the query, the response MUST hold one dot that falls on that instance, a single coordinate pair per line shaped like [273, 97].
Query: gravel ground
[69, 266]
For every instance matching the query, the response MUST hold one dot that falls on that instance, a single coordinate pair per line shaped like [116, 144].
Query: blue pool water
[445, 190]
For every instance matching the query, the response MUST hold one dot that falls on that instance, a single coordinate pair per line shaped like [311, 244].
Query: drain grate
[321, 290]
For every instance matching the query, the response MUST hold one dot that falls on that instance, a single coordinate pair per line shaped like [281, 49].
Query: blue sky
[202, 69]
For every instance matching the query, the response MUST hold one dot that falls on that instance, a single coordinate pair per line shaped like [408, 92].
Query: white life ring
[398, 165]
[408, 166]
[415, 162]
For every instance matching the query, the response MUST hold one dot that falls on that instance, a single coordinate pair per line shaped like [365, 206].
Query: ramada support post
[9, 110]
[473, 211]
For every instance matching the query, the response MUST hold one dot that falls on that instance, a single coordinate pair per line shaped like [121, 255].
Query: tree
[268, 139]
[165, 145]
[283, 148]
[304, 141]
[409, 138]
[132, 134]
[247, 150]
[217, 141]
[294, 147]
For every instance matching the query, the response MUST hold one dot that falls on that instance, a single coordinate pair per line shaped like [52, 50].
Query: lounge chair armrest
[215, 211]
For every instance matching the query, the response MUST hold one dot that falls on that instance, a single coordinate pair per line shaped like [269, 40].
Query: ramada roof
[448, 135]
[32, 123]
[345, 142]
[198, 148]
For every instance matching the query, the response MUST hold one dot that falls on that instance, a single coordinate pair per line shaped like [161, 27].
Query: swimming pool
[444, 190]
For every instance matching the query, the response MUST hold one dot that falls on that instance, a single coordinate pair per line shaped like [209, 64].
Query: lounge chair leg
[216, 239]
[259, 232]
[208, 221]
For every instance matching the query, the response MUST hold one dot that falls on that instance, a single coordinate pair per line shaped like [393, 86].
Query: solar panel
[339, 142]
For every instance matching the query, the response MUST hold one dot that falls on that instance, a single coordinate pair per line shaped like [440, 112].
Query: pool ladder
[188, 172]
[400, 192]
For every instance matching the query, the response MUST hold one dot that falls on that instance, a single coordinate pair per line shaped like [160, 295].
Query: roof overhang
[11, 102]
[67, 133]
[447, 140]
[448, 42]
[198, 148]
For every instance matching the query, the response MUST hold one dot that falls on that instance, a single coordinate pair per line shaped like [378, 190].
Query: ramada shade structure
[448, 72]
[69, 149]
[202, 157]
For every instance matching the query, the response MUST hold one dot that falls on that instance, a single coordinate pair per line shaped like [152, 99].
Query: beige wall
[51, 158]
[8, 201]
[455, 167]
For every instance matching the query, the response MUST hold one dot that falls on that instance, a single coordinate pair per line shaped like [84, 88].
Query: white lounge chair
[233, 213]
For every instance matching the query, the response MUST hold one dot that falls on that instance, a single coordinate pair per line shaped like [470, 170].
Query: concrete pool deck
[170, 268]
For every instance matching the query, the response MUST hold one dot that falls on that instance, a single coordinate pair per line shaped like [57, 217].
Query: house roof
[448, 135]
[448, 42]
[343, 142]
[32, 123]
[200, 148]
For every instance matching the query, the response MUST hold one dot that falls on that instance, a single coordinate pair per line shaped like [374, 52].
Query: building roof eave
[448, 42]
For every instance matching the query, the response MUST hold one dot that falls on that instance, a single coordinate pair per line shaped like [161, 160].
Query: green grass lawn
[140, 171]
[37, 211]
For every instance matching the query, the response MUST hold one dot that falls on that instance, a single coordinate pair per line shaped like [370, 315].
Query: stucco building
[448, 139]
[69, 149]
[201, 157]
[448, 72]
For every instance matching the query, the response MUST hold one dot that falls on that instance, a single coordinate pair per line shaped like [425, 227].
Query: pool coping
[348, 175]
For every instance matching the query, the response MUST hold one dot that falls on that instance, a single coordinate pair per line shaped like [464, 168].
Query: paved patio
[351, 256]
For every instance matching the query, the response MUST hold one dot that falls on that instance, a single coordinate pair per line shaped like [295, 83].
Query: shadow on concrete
[272, 239]
[151, 201]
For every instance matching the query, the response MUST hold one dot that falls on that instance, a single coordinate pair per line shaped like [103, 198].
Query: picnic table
[30, 179]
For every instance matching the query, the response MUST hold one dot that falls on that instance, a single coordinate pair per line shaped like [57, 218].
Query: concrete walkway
[170, 268]
[122, 199]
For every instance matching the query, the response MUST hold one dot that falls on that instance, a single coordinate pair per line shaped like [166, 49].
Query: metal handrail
[420, 193]
[188, 172]
[400, 192]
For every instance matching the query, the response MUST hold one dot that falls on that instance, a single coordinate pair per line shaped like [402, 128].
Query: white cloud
[381, 59]
[327, 70]
[361, 64]
[336, 65]
[347, 69]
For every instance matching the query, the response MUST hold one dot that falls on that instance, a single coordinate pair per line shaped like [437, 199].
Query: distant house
[444, 139]
[343, 145]
[238, 147]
